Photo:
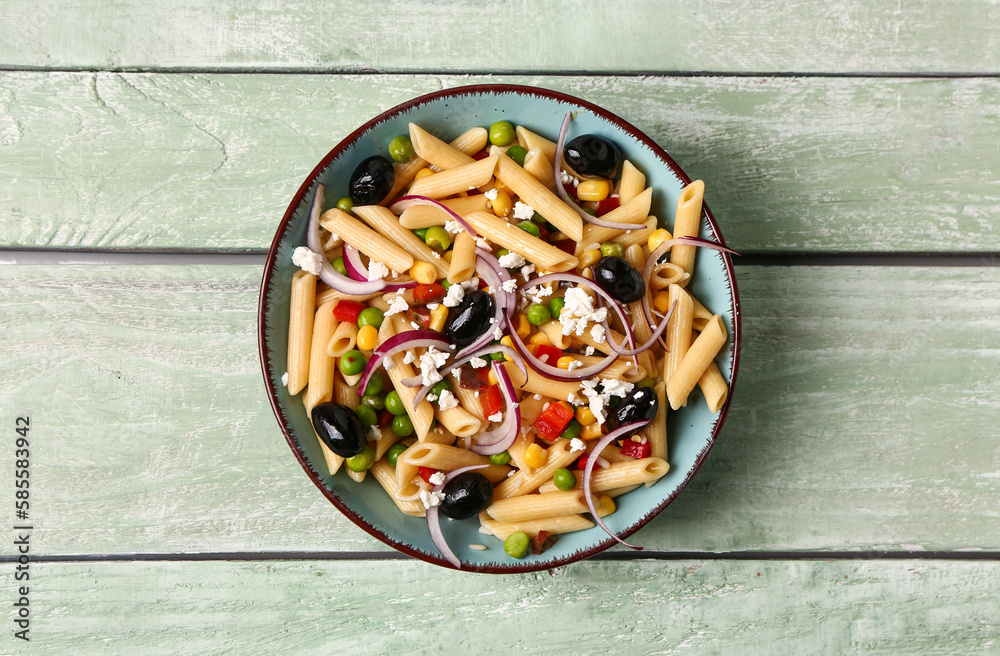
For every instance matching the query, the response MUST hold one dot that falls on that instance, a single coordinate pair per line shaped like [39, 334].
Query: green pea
[556, 305]
[421, 232]
[647, 382]
[538, 314]
[363, 461]
[497, 355]
[375, 402]
[366, 415]
[345, 204]
[444, 283]
[500, 458]
[572, 430]
[502, 133]
[394, 451]
[402, 425]
[339, 266]
[612, 249]
[394, 404]
[401, 150]
[502, 252]
[516, 544]
[564, 479]
[517, 154]
[437, 238]
[590, 210]
[352, 362]
[374, 385]
[370, 317]
[530, 227]
[439, 387]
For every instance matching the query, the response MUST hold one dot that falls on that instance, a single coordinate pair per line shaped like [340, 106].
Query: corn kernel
[507, 341]
[523, 327]
[536, 456]
[588, 258]
[499, 186]
[606, 506]
[501, 204]
[564, 361]
[367, 338]
[585, 416]
[657, 238]
[438, 317]
[447, 255]
[661, 301]
[540, 338]
[492, 377]
[423, 173]
[591, 190]
[423, 273]
[591, 432]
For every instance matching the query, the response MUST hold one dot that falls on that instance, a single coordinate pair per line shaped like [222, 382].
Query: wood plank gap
[870, 259]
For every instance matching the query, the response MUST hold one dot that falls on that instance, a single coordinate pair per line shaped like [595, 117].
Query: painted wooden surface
[633, 608]
[211, 161]
[852, 426]
[857, 36]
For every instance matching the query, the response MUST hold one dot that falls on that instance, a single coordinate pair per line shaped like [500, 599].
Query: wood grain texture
[634, 608]
[210, 161]
[467, 35]
[864, 416]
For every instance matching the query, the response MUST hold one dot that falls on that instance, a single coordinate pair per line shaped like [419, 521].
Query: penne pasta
[514, 239]
[701, 354]
[342, 340]
[687, 223]
[540, 166]
[678, 334]
[447, 458]
[537, 506]
[558, 455]
[530, 141]
[539, 197]
[426, 216]
[635, 211]
[386, 223]
[551, 525]
[714, 387]
[385, 474]
[469, 142]
[367, 240]
[596, 235]
[463, 258]
[436, 152]
[459, 421]
[632, 183]
[656, 432]
[453, 181]
[300, 324]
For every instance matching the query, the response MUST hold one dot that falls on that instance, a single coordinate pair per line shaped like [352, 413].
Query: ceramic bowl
[692, 430]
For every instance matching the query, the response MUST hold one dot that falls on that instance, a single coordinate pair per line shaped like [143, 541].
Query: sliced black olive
[470, 318]
[466, 496]
[372, 181]
[639, 405]
[339, 428]
[593, 157]
[618, 278]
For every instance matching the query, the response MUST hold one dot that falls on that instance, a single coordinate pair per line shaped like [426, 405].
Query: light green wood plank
[864, 416]
[211, 161]
[462, 35]
[685, 607]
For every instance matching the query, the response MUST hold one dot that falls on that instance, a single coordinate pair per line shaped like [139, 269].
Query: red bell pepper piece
[475, 379]
[432, 293]
[491, 400]
[384, 418]
[636, 449]
[547, 353]
[553, 421]
[566, 246]
[542, 542]
[426, 473]
[481, 155]
[420, 316]
[608, 204]
[347, 310]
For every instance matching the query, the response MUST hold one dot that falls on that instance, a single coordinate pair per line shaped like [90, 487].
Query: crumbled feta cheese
[511, 473]
[471, 285]
[496, 416]
[589, 350]
[614, 387]
[566, 178]
[430, 362]
[397, 305]
[597, 332]
[388, 363]
[437, 256]
[477, 363]
[447, 401]
[414, 325]
[284, 379]
[377, 270]
[538, 294]
[578, 311]
[537, 397]
[432, 306]
[511, 260]
[483, 244]
[576, 444]
[454, 296]
[509, 285]
[437, 478]
[575, 364]
[523, 211]
[478, 547]
[491, 194]
[527, 270]
[432, 397]
[497, 332]
[453, 227]
[430, 498]
[307, 260]
[409, 358]
[374, 433]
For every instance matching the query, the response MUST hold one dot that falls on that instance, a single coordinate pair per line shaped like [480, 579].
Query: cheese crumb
[429, 364]
[597, 332]
[511, 260]
[397, 305]
[497, 332]
[388, 363]
[523, 211]
[589, 350]
[509, 285]
[576, 444]
[409, 358]
[566, 178]
[483, 244]
[477, 363]
[284, 379]
[377, 270]
[307, 260]
[496, 416]
[453, 227]
[431, 499]
[537, 397]
[447, 401]
[437, 478]
[491, 194]
[575, 364]
[374, 433]
[578, 311]
[527, 270]
[454, 296]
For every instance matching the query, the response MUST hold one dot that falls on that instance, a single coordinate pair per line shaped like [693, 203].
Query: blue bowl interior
[691, 430]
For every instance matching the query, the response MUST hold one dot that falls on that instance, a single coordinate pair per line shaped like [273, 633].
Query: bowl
[692, 430]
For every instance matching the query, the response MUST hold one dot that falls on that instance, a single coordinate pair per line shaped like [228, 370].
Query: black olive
[470, 318]
[639, 405]
[372, 181]
[593, 157]
[618, 278]
[466, 495]
[339, 428]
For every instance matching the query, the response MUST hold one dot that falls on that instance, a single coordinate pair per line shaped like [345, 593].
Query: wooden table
[851, 152]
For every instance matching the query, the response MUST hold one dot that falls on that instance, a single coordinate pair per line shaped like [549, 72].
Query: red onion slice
[404, 341]
[598, 448]
[356, 269]
[557, 171]
[434, 519]
[408, 201]
[499, 440]
[617, 348]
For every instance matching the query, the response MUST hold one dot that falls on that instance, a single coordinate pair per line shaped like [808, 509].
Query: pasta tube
[539, 197]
